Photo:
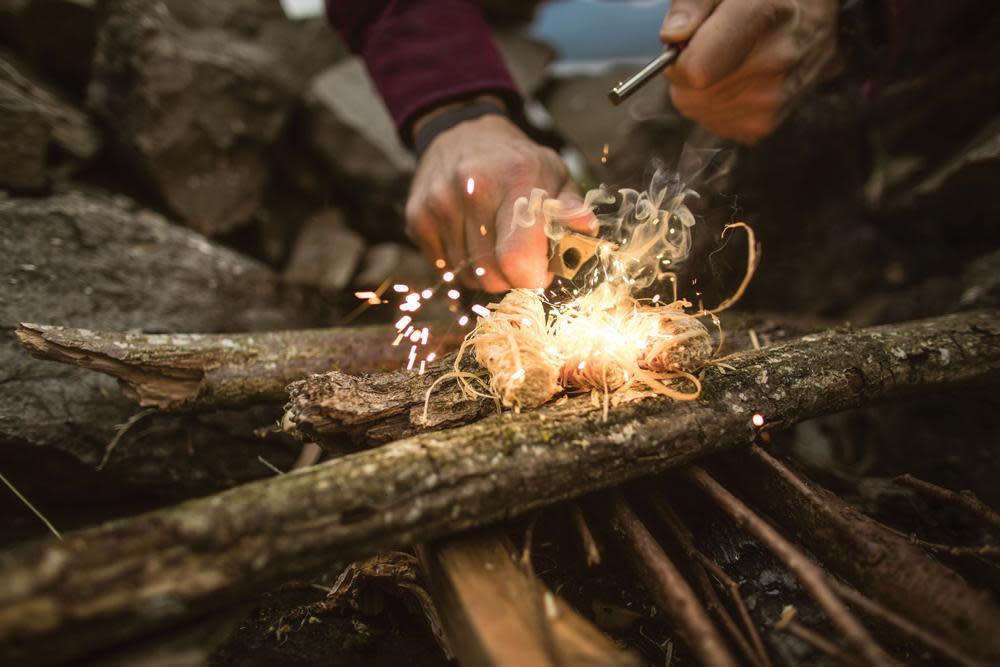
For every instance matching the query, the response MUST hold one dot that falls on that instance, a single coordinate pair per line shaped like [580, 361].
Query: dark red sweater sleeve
[423, 53]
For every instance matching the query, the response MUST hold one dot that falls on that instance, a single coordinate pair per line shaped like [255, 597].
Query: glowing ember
[415, 337]
[482, 230]
[440, 263]
[463, 320]
[412, 298]
[431, 357]
[518, 374]
[454, 294]
[365, 296]
[470, 185]
[757, 420]
[424, 334]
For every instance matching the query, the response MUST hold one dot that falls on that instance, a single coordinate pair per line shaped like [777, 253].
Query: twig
[877, 611]
[668, 587]
[121, 430]
[586, 537]
[275, 469]
[808, 573]
[980, 551]
[964, 499]
[788, 624]
[703, 565]
[31, 507]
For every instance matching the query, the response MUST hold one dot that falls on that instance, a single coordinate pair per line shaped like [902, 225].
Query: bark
[183, 372]
[96, 261]
[124, 579]
[877, 561]
[379, 408]
[496, 614]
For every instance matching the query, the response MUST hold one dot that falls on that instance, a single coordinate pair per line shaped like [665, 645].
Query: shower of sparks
[757, 420]
[470, 185]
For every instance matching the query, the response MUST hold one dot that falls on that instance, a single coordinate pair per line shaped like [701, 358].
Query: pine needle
[31, 507]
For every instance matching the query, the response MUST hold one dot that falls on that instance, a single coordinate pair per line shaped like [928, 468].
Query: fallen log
[127, 578]
[382, 407]
[197, 372]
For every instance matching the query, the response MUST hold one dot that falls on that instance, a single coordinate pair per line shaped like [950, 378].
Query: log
[495, 614]
[379, 408]
[186, 372]
[124, 579]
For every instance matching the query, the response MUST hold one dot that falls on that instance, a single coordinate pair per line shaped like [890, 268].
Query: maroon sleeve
[423, 53]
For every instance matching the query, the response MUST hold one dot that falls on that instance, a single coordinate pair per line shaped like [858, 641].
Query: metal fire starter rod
[624, 89]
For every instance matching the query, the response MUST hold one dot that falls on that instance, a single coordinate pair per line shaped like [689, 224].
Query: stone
[326, 253]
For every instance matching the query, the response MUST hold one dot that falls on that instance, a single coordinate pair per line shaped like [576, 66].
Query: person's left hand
[747, 61]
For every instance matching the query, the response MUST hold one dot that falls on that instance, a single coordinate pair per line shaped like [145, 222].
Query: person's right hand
[475, 229]
[747, 60]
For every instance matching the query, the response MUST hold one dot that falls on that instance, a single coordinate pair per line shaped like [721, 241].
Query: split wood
[113, 583]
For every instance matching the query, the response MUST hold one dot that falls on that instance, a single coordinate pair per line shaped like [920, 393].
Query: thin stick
[981, 552]
[31, 507]
[586, 537]
[808, 573]
[964, 499]
[814, 639]
[877, 611]
[121, 430]
[668, 587]
[702, 563]
[275, 469]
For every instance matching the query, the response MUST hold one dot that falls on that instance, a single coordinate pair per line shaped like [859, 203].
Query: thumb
[684, 18]
[574, 214]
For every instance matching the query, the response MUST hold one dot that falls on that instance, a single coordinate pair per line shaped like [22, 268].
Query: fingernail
[677, 21]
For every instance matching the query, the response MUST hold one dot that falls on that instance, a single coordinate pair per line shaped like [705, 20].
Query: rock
[526, 58]
[96, 261]
[199, 94]
[326, 253]
[394, 261]
[348, 126]
[35, 117]
[56, 35]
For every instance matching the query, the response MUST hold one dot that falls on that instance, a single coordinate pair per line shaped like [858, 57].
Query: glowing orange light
[412, 298]
[470, 185]
[518, 374]
[365, 296]
[482, 230]
[415, 336]
[757, 420]
[424, 334]
[440, 263]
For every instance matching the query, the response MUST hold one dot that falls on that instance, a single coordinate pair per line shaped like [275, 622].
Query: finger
[480, 239]
[724, 41]
[684, 18]
[521, 252]
[579, 219]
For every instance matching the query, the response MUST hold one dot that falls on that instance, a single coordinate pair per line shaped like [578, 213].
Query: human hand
[747, 60]
[461, 204]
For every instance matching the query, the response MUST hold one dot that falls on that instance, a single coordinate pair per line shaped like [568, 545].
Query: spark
[398, 340]
[431, 357]
[454, 294]
[518, 374]
[482, 230]
[448, 276]
[403, 321]
[470, 185]
[415, 337]
[480, 310]
[427, 294]
[580, 366]
[412, 298]
[440, 263]
[463, 320]
[757, 419]
[409, 330]
[399, 287]
[424, 335]
[604, 154]
[412, 358]
[480, 271]
[656, 298]
[423, 364]
[365, 296]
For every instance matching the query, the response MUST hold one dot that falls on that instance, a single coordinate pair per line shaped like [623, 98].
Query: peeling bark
[182, 372]
[119, 581]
